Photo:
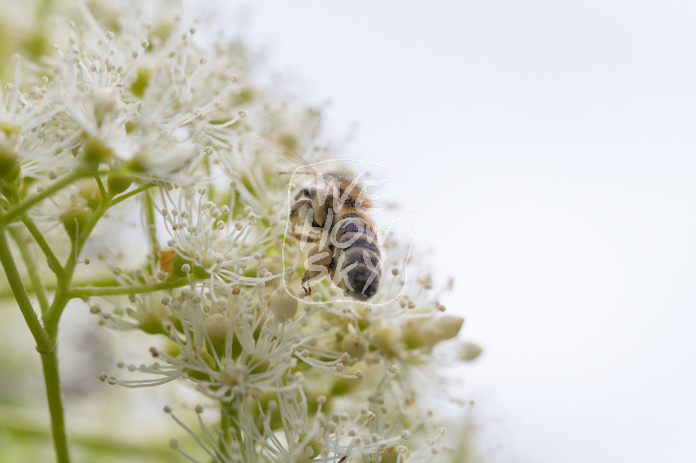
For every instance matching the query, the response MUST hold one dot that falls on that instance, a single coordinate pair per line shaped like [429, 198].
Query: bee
[333, 213]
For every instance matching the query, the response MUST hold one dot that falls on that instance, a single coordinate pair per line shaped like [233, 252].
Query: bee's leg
[302, 213]
[299, 213]
[303, 193]
[332, 268]
[314, 234]
[311, 236]
[305, 283]
[300, 210]
[317, 265]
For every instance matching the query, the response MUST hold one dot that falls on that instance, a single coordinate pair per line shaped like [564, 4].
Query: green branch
[53, 262]
[100, 184]
[151, 231]
[49, 361]
[50, 191]
[125, 290]
[45, 345]
[131, 193]
[43, 342]
[62, 296]
[30, 263]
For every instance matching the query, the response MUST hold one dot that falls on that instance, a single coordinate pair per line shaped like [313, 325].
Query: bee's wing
[287, 161]
[302, 172]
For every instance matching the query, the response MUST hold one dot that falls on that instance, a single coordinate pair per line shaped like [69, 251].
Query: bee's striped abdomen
[355, 244]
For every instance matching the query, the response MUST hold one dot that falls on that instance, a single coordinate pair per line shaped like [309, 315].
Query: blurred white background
[550, 152]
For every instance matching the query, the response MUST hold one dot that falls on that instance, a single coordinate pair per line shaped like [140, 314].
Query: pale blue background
[549, 148]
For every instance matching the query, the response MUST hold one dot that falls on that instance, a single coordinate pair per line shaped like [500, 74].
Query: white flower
[226, 348]
[319, 436]
[179, 123]
[206, 237]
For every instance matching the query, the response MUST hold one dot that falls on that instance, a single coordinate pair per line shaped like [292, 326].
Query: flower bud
[234, 374]
[436, 330]
[469, 351]
[96, 152]
[283, 306]
[9, 128]
[107, 104]
[355, 345]
[390, 455]
[154, 323]
[179, 262]
[217, 326]
[313, 449]
[89, 191]
[75, 219]
[141, 82]
[9, 162]
[118, 181]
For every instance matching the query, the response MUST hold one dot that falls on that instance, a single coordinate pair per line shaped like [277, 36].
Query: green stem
[45, 345]
[26, 204]
[132, 193]
[60, 300]
[49, 361]
[50, 287]
[30, 263]
[151, 231]
[53, 262]
[62, 295]
[233, 419]
[43, 342]
[100, 184]
[125, 290]
[46, 335]
[224, 427]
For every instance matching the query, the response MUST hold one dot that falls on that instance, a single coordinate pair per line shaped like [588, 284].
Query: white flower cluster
[145, 113]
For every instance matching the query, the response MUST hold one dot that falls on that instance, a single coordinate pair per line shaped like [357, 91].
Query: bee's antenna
[296, 173]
